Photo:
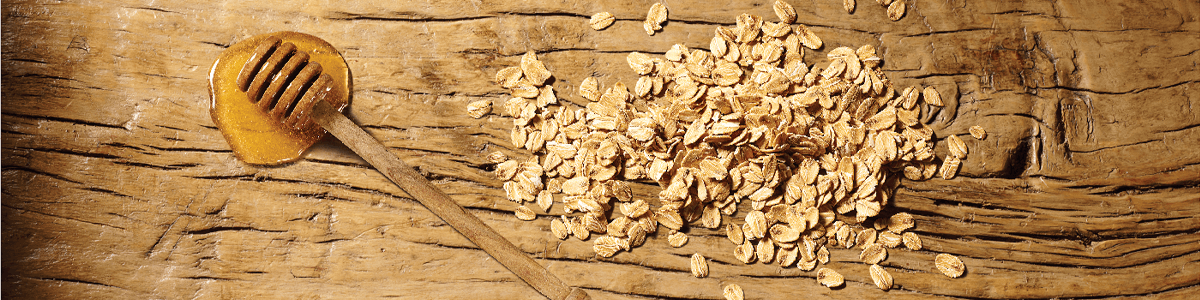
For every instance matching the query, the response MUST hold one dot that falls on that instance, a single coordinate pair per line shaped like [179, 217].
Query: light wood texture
[116, 184]
[441, 205]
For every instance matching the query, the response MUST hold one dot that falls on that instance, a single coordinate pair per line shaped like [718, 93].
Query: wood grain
[117, 184]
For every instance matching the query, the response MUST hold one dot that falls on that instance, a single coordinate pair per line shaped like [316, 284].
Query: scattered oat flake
[734, 232]
[635, 209]
[559, 229]
[950, 167]
[766, 251]
[756, 225]
[785, 12]
[677, 239]
[525, 90]
[781, 233]
[509, 77]
[733, 292]
[829, 278]
[900, 222]
[930, 94]
[636, 235]
[669, 219]
[602, 20]
[718, 47]
[882, 279]
[544, 200]
[807, 265]
[978, 133]
[823, 255]
[949, 265]
[744, 252]
[606, 246]
[849, 5]
[873, 254]
[866, 237]
[895, 10]
[578, 230]
[497, 157]
[911, 241]
[699, 266]
[590, 89]
[480, 108]
[533, 69]
[957, 147]
[787, 257]
[808, 38]
[889, 239]
[546, 96]
[657, 15]
[526, 214]
[640, 63]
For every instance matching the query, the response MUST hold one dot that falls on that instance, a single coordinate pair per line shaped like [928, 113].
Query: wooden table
[117, 184]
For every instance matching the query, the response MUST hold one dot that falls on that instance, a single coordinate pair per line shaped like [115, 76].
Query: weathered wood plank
[118, 185]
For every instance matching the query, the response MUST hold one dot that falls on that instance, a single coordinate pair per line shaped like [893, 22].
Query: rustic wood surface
[116, 183]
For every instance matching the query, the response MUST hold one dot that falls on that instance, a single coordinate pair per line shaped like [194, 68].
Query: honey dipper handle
[421, 189]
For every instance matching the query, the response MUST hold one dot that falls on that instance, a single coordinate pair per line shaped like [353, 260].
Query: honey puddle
[255, 137]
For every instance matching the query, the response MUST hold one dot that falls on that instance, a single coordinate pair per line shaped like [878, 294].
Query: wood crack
[219, 229]
[63, 217]
[64, 120]
[1127, 92]
[1114, 146]
[344, 16]
[79, 281]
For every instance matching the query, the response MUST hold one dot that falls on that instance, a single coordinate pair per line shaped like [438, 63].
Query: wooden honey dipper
[281, 81]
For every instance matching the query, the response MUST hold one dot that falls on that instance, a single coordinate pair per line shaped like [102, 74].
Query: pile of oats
[816, 152]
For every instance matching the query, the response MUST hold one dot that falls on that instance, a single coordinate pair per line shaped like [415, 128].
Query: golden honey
[254, 136]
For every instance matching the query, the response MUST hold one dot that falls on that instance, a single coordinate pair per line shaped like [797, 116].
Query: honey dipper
[284, 82]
